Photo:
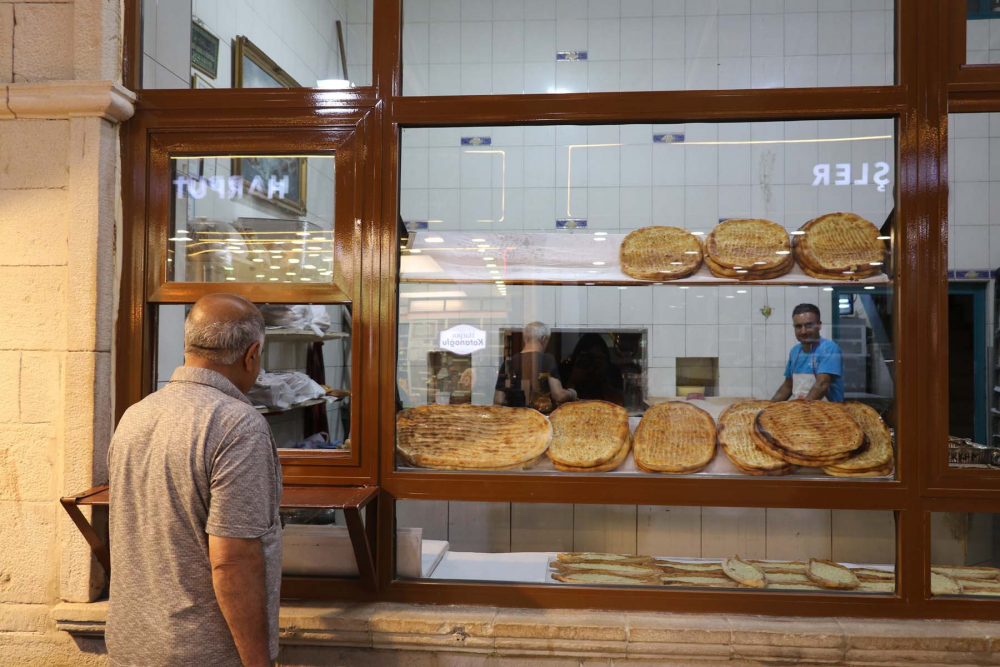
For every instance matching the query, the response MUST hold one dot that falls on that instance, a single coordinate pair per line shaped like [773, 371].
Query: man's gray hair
[536, 331]
[223, 342]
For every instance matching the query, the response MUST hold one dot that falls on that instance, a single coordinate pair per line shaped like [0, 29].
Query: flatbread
[674, 437]
[879, 453]
[628, 569]
[836, 243]
[748, 274]
[660, 253]
[744, 573]
[684, 565]
[753, 245]
[604, 467]
[700, 580]
[828, 574]
[596, 557]
[597, 577]
[967, 572]
[471, 437]
[586, 434]
[735, 436]
[808, 432]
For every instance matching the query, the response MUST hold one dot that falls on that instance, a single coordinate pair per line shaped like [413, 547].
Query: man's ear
[252, 353]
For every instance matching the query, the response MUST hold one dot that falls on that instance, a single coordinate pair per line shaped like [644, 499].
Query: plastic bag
[303, 387]
[297, 317]
[272, 391]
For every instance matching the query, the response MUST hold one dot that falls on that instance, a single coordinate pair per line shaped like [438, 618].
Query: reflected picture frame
[252, 68]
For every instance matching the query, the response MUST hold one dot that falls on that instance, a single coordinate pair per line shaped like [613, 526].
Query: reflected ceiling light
[600, 238]
[622, 288]
[305, 280]
[690, 252]
[874, 263]
[180, 239]
[598, 263]
[330, 259]
[293, 261]
[169, 260]
[434, 239]
[798, 232]
[494, 272]
[491, 266]
[289, 273]
[309, 266]
[275, 266]
[453, 294]
[259, 275]
[234, 240]
[313, 254]
[684, 287]
[741, 291]
[600, 233]
[730, 296]
[415, 251]
[487, 259]
[230, 278]
[848, 273]
[314, 247]
[484, 245]
[279, 243]
[869, 287]
[182, 231]
[479, 240]
[783, 252]
[803, 287]
[228, 268]
[273, 279]
[482, 250]
[827, 289]
[742, 271]
[334, 84]
[697, 233]
[588, 283]
[884, 238]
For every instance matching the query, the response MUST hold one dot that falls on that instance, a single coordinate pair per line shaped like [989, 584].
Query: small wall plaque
[204, 50]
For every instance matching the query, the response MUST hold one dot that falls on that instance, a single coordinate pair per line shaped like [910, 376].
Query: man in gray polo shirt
[195, 487]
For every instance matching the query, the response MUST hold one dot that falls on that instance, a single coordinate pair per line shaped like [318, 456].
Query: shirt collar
[209, 378]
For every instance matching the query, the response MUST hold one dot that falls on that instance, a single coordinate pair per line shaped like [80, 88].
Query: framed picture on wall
[252, 68]
[198, 82]
[204, 50]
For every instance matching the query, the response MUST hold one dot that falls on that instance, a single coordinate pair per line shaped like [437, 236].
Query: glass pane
[221, 44]
[252, 219]
[475, 48]
[509, 229]
[973, 255]
[679, 547]
[981, 34]
[965, 554]
[304, 389]
[315, 543]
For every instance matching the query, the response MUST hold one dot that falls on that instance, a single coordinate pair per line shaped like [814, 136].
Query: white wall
[299, 35]
[982, 42]
[484, 47]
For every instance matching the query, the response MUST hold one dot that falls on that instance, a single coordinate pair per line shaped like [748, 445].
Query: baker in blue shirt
[815, 369]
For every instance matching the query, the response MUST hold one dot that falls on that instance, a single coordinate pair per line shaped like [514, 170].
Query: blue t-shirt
[824, 358]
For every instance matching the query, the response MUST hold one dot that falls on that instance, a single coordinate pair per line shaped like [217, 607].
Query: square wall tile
[669, 305]
[669, 341]
[702, 340]
[636, 305]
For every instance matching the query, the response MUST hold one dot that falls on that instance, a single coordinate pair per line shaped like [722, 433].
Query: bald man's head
[221, 327]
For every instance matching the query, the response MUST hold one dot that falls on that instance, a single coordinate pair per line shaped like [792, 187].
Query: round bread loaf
[748, 248]
[660, 253]
[674, 437]
[815, 433]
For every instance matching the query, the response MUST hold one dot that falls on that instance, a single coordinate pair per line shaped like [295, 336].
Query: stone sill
[609, 635]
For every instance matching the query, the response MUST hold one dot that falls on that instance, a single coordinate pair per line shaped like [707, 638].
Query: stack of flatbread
[839, 246]
[660, 253]
[964, 580]
[808, 433]
[877, 460]
[748, 249]
[589, 436]
[598, 568]
[674, 437]
[735, 435]
[472, 437]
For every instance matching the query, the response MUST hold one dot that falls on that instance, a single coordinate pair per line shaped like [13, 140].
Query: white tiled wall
[617, 178]
[723, 322]
[982, 42]
[482, 47]
[974, 190]
[299, 35]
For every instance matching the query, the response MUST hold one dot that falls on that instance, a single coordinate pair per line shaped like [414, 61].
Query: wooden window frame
[930, 82]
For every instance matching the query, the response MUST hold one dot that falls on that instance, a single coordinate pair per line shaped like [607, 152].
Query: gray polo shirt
[192, 459]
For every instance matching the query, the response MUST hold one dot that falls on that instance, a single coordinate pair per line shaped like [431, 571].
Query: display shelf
[553, 258]
[297, 406]
[287, 335]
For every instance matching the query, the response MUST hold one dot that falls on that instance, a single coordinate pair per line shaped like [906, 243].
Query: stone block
[10, 386]
[33, 225]
[949, 636]
[23, 617]
[51, 650]
[34, 154]
[32, 301]
[339, 623]
[27, 533]
[6, 43]
[26, 455]
[878, 657]
[88, 426]
[506, 646]
[93, 200]
[41, 387]
[675, 629]
[43, 34]
[410, 619]
[559, 624]
[791, 632]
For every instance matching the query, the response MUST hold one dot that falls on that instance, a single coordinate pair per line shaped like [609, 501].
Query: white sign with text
[463, 339]
[843, 174]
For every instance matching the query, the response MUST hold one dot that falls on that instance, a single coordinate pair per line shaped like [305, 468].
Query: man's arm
[818, 392]
[238, 579]
[560, 394]
[784, 391]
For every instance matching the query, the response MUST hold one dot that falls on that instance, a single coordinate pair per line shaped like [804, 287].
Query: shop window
[304, 390]
[981, 33]
[214, 44]
[479, 48]
[649, 545]
[965, 554]
[252, 218]
[973, 258]
[513, 291]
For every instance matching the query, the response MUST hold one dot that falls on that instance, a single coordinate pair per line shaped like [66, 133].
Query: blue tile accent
[972, 274]
[672, 138]
[416, 225]
[477, 141]
[571, 55]
[571, 223]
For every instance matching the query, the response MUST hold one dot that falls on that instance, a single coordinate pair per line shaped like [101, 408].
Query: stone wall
[60, 105]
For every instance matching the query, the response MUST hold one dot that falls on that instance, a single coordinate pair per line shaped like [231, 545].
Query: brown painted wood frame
[928, 84]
